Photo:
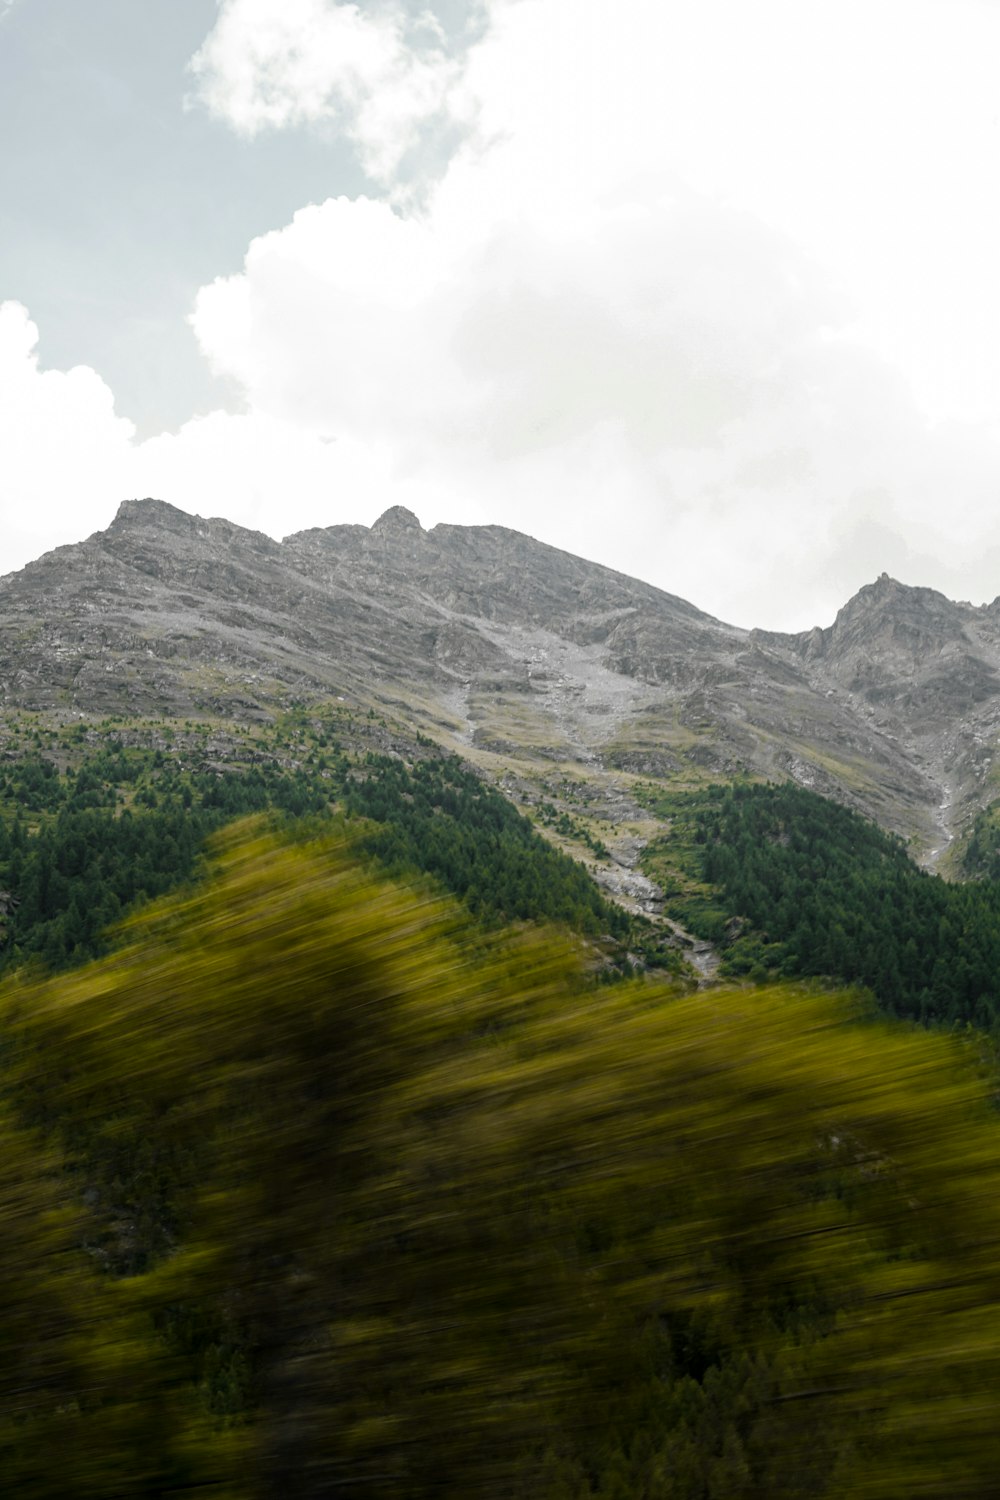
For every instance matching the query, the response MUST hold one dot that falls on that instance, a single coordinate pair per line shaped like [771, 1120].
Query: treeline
[791, 884]
[80, 848]
[312, 1190]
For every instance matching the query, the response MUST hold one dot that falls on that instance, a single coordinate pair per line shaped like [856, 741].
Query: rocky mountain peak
[397, 536]
[887, 593]
[397, 521]
[150, 514]
[157, 519]
[910, 621]
[909, 651]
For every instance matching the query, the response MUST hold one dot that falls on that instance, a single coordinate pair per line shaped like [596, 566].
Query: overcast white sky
[706, 290]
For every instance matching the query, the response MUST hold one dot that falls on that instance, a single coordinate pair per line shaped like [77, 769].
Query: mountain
[556, 677]
[312, 1185]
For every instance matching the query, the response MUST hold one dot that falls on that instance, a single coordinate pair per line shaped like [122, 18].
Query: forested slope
[442, 818]
[791, 884]
[79, 846]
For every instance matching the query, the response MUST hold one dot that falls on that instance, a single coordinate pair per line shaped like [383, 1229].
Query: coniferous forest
[319, 1178]
[792, 885]
[81, 848]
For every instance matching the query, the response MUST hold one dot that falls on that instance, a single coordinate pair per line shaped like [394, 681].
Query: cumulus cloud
[69, 461]
[615, 322]
[64, 450]
[383, 77]
[612, 323]
[652, 378]
[269, 474]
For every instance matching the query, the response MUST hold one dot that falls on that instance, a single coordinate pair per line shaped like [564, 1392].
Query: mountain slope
[546, 671]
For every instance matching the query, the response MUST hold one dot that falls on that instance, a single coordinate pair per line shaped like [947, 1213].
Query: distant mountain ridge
[527, 660]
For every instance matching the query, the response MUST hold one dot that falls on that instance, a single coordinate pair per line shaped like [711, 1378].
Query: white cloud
[268, 474]
[866, 131]
[68, 461]
[624, 367]
[658, 310]
[64, 450]
[379, 75]
[678, 288]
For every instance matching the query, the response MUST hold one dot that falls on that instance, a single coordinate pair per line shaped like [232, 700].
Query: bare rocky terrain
[556, 676]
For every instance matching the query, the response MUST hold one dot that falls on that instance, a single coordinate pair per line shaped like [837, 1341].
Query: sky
[707, 291]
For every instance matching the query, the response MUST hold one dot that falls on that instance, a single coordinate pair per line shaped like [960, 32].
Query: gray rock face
[497, 644]
[911, 648]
